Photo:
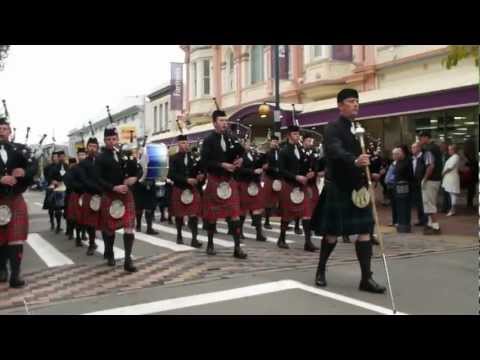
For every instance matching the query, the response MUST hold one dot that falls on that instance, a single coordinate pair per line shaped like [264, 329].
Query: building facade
[128, 119]
[403, 88]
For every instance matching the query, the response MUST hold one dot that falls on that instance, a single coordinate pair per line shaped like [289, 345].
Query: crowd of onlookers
[423, 175]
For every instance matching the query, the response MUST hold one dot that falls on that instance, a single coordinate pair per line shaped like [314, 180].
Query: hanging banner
[176, 103]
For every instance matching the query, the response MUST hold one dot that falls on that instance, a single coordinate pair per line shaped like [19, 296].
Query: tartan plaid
[17, 228]
[336, 214]
[215, 208]
[89, 217]
[312, 198]
[288, 210]
[74, 212]
[250, 203]
[177, 208]
[271, 198]
[109, 224]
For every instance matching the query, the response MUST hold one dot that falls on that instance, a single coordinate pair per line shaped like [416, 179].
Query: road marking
[118, 252]
[160, 242]
[188, 235]
[233, 294]
[269, 238]
[38, 204]
[49, 254]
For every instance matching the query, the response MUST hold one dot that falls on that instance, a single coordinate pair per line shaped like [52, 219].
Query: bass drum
[154, 162]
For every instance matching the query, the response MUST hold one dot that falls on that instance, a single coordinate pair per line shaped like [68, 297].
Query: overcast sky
[59, 88]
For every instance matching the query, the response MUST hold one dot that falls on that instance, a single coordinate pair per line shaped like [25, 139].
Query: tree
[457, 53]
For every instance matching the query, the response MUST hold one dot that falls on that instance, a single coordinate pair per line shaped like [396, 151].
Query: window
[230, 71]
[167, 125]
[320, 51]
[256, 64]
[194, 80]
[160, 117]
[155, 127]
[206, 77]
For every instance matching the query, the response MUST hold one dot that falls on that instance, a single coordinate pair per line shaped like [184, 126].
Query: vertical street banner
[176, 103]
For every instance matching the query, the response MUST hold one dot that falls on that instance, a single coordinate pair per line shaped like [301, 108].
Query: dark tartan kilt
[271, 197]
[215, 208]
[288, 210]
[312, 196]
[17, 229]
[250, 203]
[336, 214]
[109, 224]
[74, 211]
[177, 208]
[89, 217]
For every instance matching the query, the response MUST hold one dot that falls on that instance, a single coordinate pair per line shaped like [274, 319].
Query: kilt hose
[271, 197]
[215, 208]
[288, 210]
[89, 217]
[311, 193]
[179, 209]
[336, 214]
[17, 229]
[127, 221]
[250, 203]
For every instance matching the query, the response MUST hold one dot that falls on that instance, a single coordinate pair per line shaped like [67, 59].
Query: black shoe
[152, 232]
[346, 239]
[111, 261]
[196, 244]
[138, 228]
[282, 244]
[371, 286]
[211, 251]
[70, 236]
[17, 282]
[310, 247]
[317, 233]
[78, 242]
[298, 231]
[373, 240]
[129, 267]
[320, 279]
[431, 231]
[268, 226]
[239, 254]
[58, 229]
[84, 237]
[261, 238]
[90, 250]
[180, 241]
[3, 275]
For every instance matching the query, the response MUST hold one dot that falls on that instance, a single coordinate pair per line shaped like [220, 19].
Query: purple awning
[419, 103]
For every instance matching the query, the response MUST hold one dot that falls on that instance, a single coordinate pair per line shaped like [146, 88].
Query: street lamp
[3, 54]
[264, 110]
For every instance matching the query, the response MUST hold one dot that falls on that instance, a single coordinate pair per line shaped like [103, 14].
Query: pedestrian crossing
[156, 241]
[47, 252]
[118, 252]
[223, 229]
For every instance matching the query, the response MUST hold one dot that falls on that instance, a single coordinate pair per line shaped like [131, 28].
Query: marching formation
[321, 188]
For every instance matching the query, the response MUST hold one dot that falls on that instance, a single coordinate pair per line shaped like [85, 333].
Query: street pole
[276, 113]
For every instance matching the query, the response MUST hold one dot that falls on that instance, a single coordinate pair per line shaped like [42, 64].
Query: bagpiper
[92, 195]
[16, 174]
[221, 155]
[117, 172]
[186, 199]
[49, 200]
[294, 203]
[57, 172]
[273, 182]
[345, 208]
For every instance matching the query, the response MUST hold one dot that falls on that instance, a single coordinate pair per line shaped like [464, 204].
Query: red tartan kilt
[215, 208]
[17, 229]
[289, 210]
[250, 203]
[74, 211]
[89, 217]
[272, 198]
[109, 224]
[179, 209]
[312, 195]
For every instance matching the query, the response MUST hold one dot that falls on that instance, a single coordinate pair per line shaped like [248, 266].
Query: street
[430, 275]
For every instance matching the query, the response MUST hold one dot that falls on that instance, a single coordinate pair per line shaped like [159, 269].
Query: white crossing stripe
[49, 254]
[118, 252]
[233, 294]
[160, 242]
[188, 234]
[38, 204]
[247, 235]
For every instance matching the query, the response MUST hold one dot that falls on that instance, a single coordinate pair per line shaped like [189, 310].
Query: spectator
[469, 174]
[431, 182]
[418, 168]
[390, 182]
[402, 194]
[451, 178]
[445, 198]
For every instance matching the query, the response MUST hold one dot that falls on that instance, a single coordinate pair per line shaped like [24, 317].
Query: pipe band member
[339, 215]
